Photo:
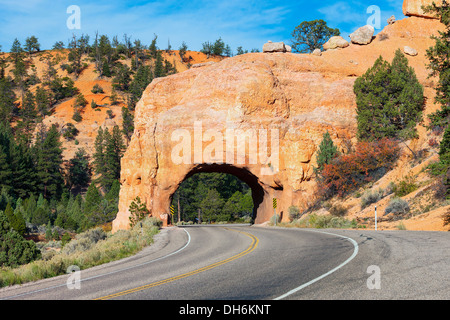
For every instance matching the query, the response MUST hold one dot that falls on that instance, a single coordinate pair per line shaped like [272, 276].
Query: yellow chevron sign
[274, 203]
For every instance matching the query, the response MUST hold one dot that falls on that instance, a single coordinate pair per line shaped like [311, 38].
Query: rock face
[410, 51]
[363, 35]
[282, 103]
[414, 7]
[274, 47]
[335, 42]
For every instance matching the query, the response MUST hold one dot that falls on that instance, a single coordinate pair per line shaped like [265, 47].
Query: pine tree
[6, 173]
[79, 171]
[113, 154]
[28, 116]
[42, 101]
[93, 199]
[127, 124]
[138, 211]
[99, 154]
[327, 152]
[389, 100]
[8, 105]
[48, 166]
[444, 149]
[440, 64]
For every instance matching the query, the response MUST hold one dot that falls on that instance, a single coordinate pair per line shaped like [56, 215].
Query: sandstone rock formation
[317, 52]
[335, 42]
[391, 20]
[274, 47]
[410, 51]
[363, 35]
[181, 121]
[414, 7]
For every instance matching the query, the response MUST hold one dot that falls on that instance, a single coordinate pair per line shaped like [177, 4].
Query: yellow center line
[252, 247]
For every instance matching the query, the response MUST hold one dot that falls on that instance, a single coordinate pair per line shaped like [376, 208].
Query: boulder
[317, 52]
[335, 42]
[274, 47]
[363, 35]
[410, 51]
[391, 20]
[414, 7]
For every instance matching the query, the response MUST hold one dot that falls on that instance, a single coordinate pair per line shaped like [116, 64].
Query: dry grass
[86, 251]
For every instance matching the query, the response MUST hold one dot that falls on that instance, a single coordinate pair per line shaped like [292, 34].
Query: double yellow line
[252, 247]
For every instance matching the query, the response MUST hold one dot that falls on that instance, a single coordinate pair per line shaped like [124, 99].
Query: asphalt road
[260, 263]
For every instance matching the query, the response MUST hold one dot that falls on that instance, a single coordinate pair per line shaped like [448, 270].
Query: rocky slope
[301, 96]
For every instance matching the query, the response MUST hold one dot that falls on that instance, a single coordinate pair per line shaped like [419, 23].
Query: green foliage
[109, 149]
[70, 131]
[49, 163]
[97, 89]
[369, 197]
[327, 152]
[138, 211]
[235, 196]
[294, 213]
[32, 45]
[397, 206]
[338, 210]
[79, 171]
[405, 186]
[389, 100]
[311, 35]
[439, 64]
[326, 221]
[14, 249]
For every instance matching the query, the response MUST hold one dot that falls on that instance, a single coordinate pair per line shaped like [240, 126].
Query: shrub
[97, 89]
[405, 186]
[70, 131]
[447, 218]
[348, 172]
[294, 213]
[370, 197]
[397, 206]
[338, 210]
[80, 101]
[327, 221]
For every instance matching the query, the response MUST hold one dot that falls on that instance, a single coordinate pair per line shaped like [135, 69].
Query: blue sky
[238, 22]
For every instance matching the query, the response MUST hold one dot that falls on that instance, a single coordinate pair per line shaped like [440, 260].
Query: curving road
[259, 263]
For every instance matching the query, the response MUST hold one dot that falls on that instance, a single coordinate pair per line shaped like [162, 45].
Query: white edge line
[104, 274]
[355, 252]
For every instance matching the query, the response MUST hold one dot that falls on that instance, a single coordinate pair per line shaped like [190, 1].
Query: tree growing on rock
[327, 152]
[311, 35]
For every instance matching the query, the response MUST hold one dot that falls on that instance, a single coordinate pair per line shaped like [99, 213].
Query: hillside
[62, 112]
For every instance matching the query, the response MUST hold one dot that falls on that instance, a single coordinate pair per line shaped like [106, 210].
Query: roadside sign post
[275, 210]
[376, 218]
[172, 211]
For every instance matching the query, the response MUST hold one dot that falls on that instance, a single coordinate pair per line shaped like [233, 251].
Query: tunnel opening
[217, 193]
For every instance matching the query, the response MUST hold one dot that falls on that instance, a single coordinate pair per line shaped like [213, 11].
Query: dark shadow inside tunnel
[212, 193]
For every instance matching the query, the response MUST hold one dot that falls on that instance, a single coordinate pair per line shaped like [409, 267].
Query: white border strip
[355, 252]
[104, 274]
